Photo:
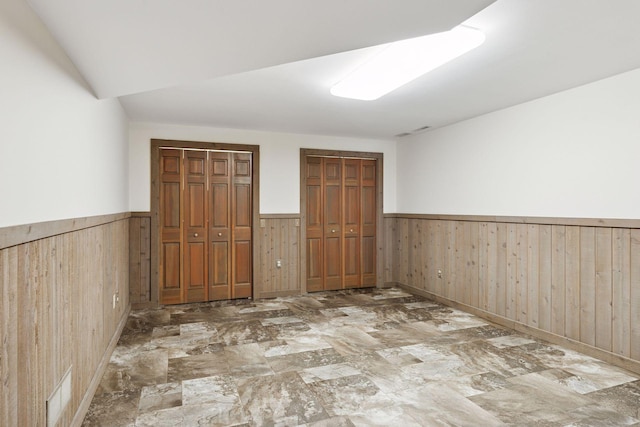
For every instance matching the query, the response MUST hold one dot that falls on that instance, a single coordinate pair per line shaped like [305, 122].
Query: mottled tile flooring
[368, 357]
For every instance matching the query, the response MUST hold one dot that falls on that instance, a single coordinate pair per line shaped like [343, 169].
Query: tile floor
[366, 357]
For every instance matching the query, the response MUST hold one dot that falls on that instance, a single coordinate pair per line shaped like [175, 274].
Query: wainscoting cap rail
[583, 222]
[25, 233]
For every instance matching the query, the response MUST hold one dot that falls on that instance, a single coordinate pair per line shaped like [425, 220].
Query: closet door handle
[195, 234]
[351, 230]
[333, 230]
[219, 234]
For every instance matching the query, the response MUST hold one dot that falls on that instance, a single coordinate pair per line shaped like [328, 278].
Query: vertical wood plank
[9, 336]
[621, 292]
[558, 279]
[522, 268]
[511, 291]
[635, 294]
[462, 292]
[418, 240]
[396, 265]
[493, 285]
[290, 248]
[450, 272]
[428, 255]
[533, 274]
[469, 285]
[389, 248]
[587, 285]
[264, 248]
[47, 366]
[404, 252]
[26, 299]
[283, 254]
[544, 278]
[438, 256]
[603, 288]
[483, 266]
[501, 254]
[145, 259]
[572, 282]
[294, 255]
[472, 263]
[410, 251]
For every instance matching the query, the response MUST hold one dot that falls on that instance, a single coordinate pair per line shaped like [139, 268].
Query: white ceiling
[268, 65]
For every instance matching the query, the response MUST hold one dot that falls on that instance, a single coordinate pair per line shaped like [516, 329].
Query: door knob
[333, 230]
[195, 234]
[219, 234]
[351, 230]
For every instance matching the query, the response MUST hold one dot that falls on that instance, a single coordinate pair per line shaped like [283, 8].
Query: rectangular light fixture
[403, 61]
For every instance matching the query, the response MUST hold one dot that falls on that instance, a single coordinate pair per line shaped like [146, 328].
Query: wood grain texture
[578, 282]
[140, 260]
[621, 292]
[57, 313]
[390, 249]
[588, 285]
[544, 277]
[156, 250]
[635, 295]
[380, 250]
[280, 240]
[558, 286]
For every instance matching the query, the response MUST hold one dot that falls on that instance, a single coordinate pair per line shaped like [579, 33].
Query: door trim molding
[311, 152]
[156, 144]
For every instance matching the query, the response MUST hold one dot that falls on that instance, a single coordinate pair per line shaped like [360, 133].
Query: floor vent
[59, 399]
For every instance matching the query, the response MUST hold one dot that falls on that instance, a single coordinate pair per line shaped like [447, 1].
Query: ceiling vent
[413, 132]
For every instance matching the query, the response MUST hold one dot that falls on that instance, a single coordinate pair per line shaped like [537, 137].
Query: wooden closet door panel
[195, 226]
[351, 222]
[314, 224]
[241, 220]
[333, 275]
[205, 225]
[170, 261]
[219, 225]
[368, 223]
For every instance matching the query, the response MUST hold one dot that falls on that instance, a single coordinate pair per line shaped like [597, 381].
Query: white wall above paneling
[279, 161]
[572, 154]
[63, 153]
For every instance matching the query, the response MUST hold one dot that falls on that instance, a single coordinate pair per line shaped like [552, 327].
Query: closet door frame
[156, 144]
[310, 152]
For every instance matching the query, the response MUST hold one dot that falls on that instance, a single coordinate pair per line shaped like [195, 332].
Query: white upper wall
[279, 161]
[572, 154]
[63, 153]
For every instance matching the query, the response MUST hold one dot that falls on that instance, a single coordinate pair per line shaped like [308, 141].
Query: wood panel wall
[580, 282]
[279, 240]
[140, 292]
[56, 312]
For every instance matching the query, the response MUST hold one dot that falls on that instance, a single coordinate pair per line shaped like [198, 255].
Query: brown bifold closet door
[340, 223]
[315, 246]
[170, 259]
[195, 226]
[205, 222]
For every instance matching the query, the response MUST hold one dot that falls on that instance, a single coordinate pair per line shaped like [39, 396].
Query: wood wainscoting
[280, 240]
[58, 281]
[141, 294]
[279, 237]
[570, 281]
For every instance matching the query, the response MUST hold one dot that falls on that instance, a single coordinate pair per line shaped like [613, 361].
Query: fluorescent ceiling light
[401, 62]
